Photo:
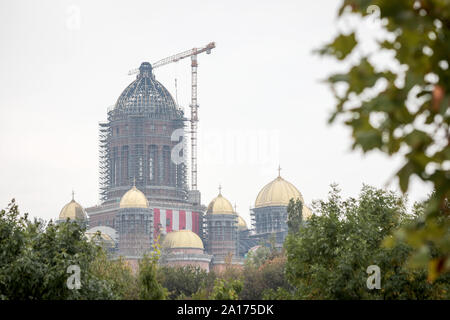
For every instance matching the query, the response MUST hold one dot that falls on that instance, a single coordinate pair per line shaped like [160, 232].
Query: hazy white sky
[63, 63]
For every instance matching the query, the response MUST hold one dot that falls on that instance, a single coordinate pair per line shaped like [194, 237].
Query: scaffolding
[136, 143]
[135, 228]
[246, 241]
[269, 222]
[222, 237]
[104, 163]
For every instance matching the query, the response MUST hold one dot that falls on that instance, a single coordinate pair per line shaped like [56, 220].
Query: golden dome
[277, 193]
[182, 239]
[100, 238]
[134, 198]
[220, 205]
[73, 210]
[242, 225]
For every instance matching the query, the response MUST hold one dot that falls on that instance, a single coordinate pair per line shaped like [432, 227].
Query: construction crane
[194, 106]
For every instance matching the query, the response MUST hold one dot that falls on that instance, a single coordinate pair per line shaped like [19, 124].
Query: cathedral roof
[277, 193]
[73, 210]
[242, 225]
[100, 238]
[182, 239]
[220, 205]
[146, 94]
[134, 198]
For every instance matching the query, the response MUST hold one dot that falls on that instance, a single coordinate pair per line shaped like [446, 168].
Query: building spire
[235, 207]
[220, 189]
[279, 171]
[134, 181]
[73, 195]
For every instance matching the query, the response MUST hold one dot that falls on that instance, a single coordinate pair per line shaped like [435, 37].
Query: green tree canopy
[150, 287]
[329, 257]
[35, 256]
[269, 276]
[183, 282]
[403, 109]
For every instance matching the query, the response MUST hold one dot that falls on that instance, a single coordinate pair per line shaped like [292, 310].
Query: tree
[34, 259]
[118, 274]
[267, 277]
[402, 109]
[226, 290]
[183, 282]
[295, 215]
[329, 257]
[258, 257]
[150, 287]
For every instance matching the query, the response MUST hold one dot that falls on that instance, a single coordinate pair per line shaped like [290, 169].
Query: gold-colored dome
[182, 239]
[134, 198]
[73, 210]
[277, 193]
[220, 205]
[100, 238]
[242, 225]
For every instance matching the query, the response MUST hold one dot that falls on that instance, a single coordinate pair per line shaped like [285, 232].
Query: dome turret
[242, 225]
[277, 193]
[220, 205]
[146, 94]
[134, 198]
[182, 239]
[73, 211]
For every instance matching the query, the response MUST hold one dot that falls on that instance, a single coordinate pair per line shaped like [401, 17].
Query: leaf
[404, 174]
[362, 76]
[418, 139]
[341, 47]
[338, 77]
[368, 139]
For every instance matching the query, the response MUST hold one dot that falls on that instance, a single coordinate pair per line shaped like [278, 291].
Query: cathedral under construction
[145, 196]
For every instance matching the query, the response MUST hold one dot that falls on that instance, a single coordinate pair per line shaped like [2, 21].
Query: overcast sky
[63, 63]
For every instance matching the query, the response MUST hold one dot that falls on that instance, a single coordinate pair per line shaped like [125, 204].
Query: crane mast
[194, 105]
[194, 120]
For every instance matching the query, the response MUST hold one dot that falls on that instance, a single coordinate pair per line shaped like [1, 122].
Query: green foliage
[328, 259]
[118, 274]
[258, 257]
[226, 290]
[267, 278]
[150, 287]
[184, 282]
[34, 258]
[409, 114]
[341, 46]
[295, 214]
[278, 294]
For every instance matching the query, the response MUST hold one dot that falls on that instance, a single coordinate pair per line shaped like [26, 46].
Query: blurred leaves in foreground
[403, 107]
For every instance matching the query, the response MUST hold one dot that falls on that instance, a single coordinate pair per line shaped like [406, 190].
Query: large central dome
[146, 93]
[277, 193]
